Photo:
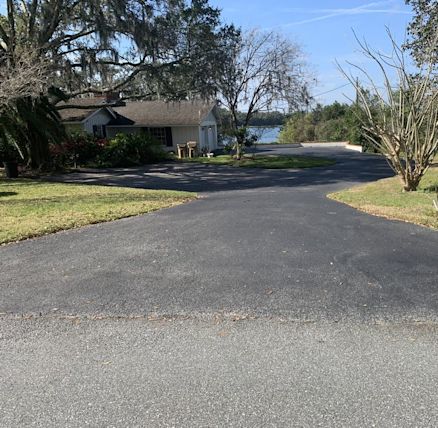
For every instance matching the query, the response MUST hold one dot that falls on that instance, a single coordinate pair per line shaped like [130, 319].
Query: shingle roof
[79, 114]
[147, 113]
[161, 113]
[120, 120]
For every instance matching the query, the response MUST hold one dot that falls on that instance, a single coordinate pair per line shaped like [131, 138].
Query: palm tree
[32, 124]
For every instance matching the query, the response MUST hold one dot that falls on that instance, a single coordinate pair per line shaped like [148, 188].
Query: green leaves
[173, 48]
[423, 30]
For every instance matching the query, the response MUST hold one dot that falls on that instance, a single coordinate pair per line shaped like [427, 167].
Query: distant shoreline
[265, 126]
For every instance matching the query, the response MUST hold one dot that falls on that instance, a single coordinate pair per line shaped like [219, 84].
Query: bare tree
[26, 75]
[403, 124]
[23, 76]
[266, 69]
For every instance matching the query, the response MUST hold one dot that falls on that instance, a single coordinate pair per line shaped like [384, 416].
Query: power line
[332, 90]
[368, 86]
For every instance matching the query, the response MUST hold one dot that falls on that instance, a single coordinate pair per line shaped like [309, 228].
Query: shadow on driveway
[350, 168]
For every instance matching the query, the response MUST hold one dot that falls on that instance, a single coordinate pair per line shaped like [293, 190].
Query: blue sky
[324, 29]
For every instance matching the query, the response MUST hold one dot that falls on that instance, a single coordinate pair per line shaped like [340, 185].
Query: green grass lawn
[30, 208]
[385, 198]
[265, 161]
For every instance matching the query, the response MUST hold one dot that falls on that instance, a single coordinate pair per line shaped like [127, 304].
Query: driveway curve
[257, 243]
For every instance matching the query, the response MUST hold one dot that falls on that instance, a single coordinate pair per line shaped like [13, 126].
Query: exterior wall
[183, 134]
[210, 120]
[205, 135]
[101, 117]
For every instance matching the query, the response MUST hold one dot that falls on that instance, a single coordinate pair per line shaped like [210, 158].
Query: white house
[171, 123]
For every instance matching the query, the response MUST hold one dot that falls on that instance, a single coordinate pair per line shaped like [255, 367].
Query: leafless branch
[267, 69]
[403, 124]
[25, 76]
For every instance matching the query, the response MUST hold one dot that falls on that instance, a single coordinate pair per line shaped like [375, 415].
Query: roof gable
[85, 108]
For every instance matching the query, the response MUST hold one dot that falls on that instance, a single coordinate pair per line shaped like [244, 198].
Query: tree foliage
[334, 122]
[263, 118]
[31, 124]
[422, 30]
[102, 45]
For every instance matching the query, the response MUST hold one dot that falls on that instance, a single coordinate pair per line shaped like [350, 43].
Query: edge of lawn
[384, 198]
[84, 218]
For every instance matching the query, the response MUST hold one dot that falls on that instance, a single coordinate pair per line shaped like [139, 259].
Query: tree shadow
[432, 189]
[3, 194]
[349, 168]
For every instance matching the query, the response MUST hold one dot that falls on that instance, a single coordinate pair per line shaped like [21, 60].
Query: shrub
[332, 130]
[123, 150]
[228, 148]
[77, 149]
[132, 149]
[237, 140]
[298, 129]
[335, 122]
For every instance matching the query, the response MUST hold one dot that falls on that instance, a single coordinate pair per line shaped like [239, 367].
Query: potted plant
[9, 156]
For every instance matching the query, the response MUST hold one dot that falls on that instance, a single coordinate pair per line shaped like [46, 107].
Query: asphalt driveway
[258, 242]
[259, 304]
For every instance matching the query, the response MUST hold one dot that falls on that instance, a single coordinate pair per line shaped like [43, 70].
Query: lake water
[266, 135]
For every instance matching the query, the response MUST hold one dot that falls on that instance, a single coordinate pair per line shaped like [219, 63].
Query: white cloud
[369, 8]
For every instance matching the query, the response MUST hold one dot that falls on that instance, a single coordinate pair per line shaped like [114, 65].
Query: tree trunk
[235, 128]
[410, 184]
[39, 154]
[238, 150]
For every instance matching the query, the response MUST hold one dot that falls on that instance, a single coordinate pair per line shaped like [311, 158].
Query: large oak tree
[144, 48]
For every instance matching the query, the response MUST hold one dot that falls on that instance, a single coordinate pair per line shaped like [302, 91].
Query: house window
[163, 135]
[99, 131]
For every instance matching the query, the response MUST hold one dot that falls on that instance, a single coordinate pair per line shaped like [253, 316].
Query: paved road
[263, 303]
